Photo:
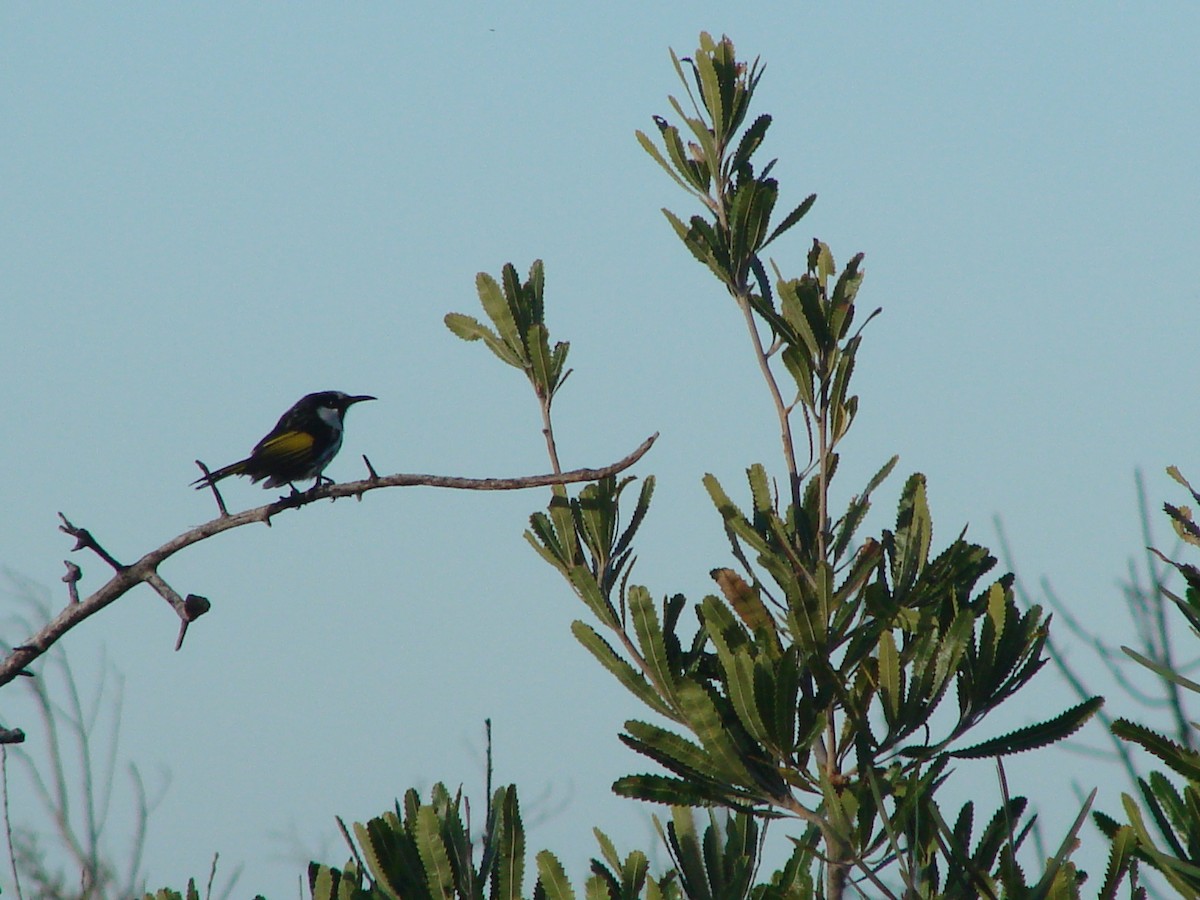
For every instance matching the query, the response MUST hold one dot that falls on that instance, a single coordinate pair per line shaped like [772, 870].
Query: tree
[812, 688]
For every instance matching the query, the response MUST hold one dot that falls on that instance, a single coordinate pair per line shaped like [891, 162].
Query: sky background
[212, 209]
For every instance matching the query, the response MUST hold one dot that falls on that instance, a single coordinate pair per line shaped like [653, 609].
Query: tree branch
[191, 607]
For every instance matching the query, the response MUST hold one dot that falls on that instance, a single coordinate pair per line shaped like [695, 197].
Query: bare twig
[145, 570]
[74, 573]
[12, 855]
[85, 541]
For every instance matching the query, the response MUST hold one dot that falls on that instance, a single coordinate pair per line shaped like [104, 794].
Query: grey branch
[189, 608]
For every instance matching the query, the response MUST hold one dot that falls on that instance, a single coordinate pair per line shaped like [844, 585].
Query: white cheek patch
[330, 417]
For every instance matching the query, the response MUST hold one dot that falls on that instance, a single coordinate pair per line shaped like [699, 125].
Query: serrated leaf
[541, 360]
[1184, 761]
[792, 218]
[439, 874]
[653, 648]
[656, 155]
[552, 878]
[376, 850]
[745, 600]
[914, 533]
[751, 140]
[890, 686]
[1034, 736]
[671, 791]
[625, 673]
[471, 329]
[705, 722]
[737, 665]
[497, 307]
[608, 849]
[673, 751]
[1120, 857]
[509, 872]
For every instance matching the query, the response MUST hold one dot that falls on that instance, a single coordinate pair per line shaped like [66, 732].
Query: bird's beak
[361, 397]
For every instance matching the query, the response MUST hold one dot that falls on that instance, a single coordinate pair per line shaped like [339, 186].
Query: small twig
[212, 874]
[12, 855]
[213, 486]
[84, 540]
[74, 573]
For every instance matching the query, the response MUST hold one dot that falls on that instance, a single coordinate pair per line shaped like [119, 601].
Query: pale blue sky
[212, 209]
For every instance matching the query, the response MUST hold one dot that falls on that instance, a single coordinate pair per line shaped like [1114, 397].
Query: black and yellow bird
[303, 442]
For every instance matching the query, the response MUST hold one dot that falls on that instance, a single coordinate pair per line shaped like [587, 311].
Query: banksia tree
[833, 680]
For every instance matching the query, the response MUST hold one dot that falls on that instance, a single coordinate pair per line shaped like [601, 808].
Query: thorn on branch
[84, 539]
[11, 736]
[374, 476]
[213, 487]
[74, 573]
[194, 606]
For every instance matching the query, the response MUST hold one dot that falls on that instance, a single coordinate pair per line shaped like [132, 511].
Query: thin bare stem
[781, 408]
[12, 855]
[548, 433]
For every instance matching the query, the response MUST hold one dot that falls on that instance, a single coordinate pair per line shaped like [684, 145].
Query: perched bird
[303, 442]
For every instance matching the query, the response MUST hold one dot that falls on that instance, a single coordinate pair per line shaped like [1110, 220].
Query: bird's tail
[237, 468]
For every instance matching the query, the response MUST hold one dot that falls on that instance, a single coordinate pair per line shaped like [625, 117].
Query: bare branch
[145, 570]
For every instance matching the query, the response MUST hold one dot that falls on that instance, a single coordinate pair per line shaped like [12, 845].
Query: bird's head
[331, 405]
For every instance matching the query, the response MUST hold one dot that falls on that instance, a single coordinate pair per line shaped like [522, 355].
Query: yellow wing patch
[289, 445]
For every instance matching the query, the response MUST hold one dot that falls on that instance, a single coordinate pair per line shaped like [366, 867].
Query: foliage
[814, 686]
[426, 851]
[1162, 827]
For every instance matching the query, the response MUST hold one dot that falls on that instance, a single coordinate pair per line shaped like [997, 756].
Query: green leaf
[890, 685]
[1120, 858]
[552, 878]
[752, 138]
[673, 751]
[686, 849]
[625, 673]
[1034, 736]
[737, 665]
[608, 849]
[439, 874]
[649, 147]
[705, 722]
[650, 642]
[497, 307]
[509, 871]
[914, 534]
[1162, 671]
[1184, 761]
[471, 329]
[541, 360]
[377, 840]
[792, 218]
[671, 791]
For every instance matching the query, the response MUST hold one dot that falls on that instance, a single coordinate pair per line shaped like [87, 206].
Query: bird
[303, 442]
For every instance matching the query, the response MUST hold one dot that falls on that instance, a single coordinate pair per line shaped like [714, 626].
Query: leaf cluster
[519, 337]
